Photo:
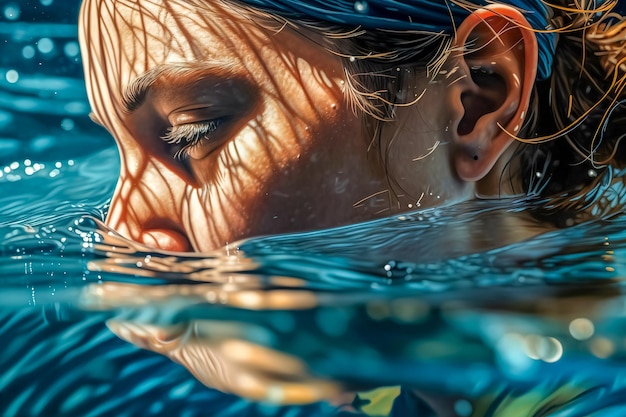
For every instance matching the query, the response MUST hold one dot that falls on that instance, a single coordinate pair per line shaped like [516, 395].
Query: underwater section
[510, 324]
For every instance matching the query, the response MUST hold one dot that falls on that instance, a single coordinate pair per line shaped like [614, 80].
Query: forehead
[153, 32]
[122, 39]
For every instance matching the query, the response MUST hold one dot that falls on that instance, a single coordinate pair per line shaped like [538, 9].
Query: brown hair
[574, 155]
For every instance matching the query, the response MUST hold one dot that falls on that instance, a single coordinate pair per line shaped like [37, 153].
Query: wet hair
[569, 154]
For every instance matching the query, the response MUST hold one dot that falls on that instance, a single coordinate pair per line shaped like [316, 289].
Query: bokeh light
[12, 11]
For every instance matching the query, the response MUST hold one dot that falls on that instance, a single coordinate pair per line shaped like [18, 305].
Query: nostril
[166, 239]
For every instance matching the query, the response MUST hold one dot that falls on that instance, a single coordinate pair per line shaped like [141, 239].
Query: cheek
[287, 134]
[417, 146]
[309, 97]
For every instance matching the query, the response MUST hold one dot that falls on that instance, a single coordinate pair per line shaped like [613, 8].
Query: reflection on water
[457, 303]
[542, 318]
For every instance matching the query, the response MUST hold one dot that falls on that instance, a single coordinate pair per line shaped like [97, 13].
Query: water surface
[506, 325]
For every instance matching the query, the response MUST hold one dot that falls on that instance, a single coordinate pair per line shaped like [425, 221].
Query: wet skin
[263, 137]
[229, 126]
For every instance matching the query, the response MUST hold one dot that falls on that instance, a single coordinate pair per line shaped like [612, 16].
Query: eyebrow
[134, 95]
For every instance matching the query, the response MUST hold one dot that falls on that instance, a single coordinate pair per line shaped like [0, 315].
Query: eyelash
[191, 133]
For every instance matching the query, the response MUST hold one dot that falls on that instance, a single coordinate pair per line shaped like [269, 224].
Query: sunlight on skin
[288, 154]
[279, 150]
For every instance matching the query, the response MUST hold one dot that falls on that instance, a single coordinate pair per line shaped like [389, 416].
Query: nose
[144, 221]
[148, 203]
[166, 239]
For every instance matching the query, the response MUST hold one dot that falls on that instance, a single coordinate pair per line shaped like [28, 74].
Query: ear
[498, 64]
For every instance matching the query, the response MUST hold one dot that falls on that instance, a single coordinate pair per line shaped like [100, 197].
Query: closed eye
[189, 135]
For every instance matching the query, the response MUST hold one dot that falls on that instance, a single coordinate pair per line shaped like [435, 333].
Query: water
[510, 325]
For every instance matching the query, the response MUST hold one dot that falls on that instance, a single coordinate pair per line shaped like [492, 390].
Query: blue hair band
[417, 15]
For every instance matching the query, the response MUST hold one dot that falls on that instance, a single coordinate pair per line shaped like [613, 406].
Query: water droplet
[28, 52]
[12, 11]
[463, 408]
[581, 328]
[71, 49]
[12, 76]
[45, 45]
[361, 6]
[547, 349]
[602, 347]
[67, 124]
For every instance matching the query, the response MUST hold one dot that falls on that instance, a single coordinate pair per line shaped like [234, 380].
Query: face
[230, 127]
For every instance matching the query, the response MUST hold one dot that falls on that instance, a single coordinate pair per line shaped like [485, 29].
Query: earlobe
[498, 64]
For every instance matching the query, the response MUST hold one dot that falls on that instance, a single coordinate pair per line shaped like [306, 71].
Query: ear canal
[487, 98]
[499, 63]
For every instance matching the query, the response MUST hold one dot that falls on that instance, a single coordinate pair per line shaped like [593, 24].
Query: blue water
[507, 327]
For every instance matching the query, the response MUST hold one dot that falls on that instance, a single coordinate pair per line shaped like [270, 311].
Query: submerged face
[229, 127]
